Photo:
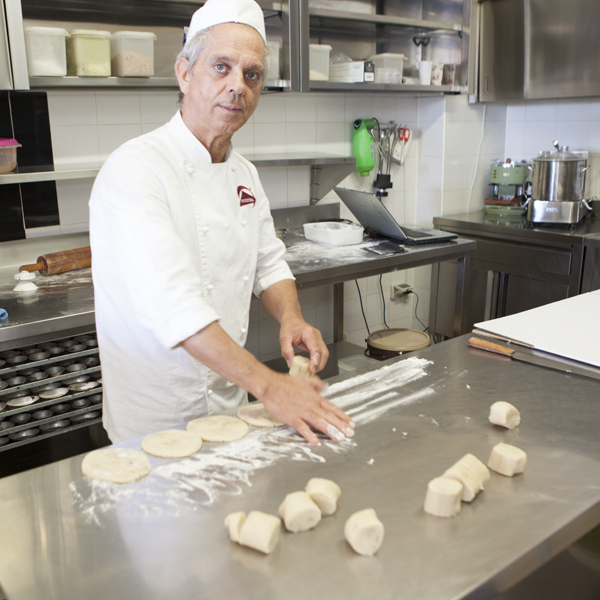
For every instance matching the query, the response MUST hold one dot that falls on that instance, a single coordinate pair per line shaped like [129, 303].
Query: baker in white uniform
[181, 237]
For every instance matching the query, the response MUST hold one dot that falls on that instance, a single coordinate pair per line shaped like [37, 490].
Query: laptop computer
[373, 215]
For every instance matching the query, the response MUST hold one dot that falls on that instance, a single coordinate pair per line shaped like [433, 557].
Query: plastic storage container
[388, 67]
[356, 361]
[8, 154]
[46, 51]
[132, 54]
[319, 62]
[88, 53]
[333, 233]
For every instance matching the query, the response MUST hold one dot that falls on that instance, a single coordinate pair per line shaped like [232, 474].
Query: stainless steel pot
[559, 175]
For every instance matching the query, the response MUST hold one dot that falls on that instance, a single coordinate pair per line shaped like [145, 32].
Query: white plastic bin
[319, 62]
[132, 54]
[88, 53]
[46, 51]
[388, 60]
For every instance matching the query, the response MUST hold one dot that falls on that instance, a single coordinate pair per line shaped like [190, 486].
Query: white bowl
[331, 233]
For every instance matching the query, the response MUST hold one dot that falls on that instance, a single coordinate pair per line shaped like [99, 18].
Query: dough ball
[171, 443]
[465, 476]
[299, 512]
[256, 414]
[260, 531]
[364, 532]
[507, 460]
[443, 497]
[300, 366]
[504, 414]
[218, 428]
[234, 522]
[325, 493]
[119, 465]
[481, 471]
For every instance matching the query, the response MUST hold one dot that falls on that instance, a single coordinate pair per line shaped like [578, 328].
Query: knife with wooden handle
[534, 359]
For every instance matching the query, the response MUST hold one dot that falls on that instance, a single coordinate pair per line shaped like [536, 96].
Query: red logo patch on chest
[245, 195]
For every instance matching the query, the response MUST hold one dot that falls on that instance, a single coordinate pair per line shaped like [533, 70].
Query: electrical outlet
[400, 290]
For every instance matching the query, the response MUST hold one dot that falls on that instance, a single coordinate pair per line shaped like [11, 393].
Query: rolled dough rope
[300, 366]
[299, 512]
[234, 522]
[218, 428]
[364, 532]
[172, 443]
[465, 476]
[507, 460]
[481, 471]
[119, 465]
[260, 531]
[256, 414]
[443, 497]
[324, 493]
[504, 414]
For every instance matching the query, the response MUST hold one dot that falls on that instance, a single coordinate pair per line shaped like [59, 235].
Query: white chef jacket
[177, 243]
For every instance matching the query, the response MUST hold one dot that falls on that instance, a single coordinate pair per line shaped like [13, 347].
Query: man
[181, 236]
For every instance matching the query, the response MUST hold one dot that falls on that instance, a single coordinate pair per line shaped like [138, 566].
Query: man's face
[223, 90]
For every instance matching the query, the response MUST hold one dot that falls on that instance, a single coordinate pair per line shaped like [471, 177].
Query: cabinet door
[524, 294]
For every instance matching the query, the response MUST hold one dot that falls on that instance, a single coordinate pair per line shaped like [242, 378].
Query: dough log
[465, 476]
[299, 512]
[504, 414]
[325, 493]
[507, 460]
[364, 532]
[260, 531]
[443, 497]
[481, 471]
[300, 366]
[234, 522]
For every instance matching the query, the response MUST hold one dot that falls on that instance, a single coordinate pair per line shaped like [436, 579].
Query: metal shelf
[385, 87]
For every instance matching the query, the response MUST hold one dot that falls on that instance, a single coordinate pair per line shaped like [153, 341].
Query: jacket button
[190, 170]
[209, 392]
[245, 279]
[243, 330]
[244, 223]
[210, 286]
[205, 229]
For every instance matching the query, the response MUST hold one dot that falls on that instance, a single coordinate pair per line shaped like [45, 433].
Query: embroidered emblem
[245, 195]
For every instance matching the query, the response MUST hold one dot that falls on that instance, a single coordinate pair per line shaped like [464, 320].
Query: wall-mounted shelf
[49, 173]
[385, 87]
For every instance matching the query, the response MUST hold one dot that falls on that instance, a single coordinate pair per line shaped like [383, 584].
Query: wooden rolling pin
[60, 262]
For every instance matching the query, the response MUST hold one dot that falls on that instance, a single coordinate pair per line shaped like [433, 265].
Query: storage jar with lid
[8, 154]
[132, 53]
[88, 53]
[46, 51]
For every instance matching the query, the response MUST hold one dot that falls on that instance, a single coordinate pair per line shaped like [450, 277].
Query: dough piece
[481, 471]
[443, 497]
[465, 476]
[260, 531]
[171, 443]
[504, 414]
[364, 532]
[299, 512]
[507, 460]
[218, 428]
[300, 366]
[324, 493]
[256, 414]
[119, 465]
[234, 522]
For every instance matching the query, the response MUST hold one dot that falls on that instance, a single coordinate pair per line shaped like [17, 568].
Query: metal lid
[91, 33]
[399, 340]
[146, 35]
[561, 153]
[47, 30]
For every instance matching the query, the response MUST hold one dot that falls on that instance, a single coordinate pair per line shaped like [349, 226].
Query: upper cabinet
[356, 30]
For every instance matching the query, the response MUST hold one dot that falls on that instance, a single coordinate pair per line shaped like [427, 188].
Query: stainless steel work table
[64, 536]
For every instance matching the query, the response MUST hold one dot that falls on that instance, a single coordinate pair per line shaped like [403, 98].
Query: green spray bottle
[362, 146]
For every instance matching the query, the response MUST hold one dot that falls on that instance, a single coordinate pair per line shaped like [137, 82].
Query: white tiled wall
[450, 154]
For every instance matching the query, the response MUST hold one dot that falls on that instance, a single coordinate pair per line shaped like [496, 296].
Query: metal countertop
[64, 536]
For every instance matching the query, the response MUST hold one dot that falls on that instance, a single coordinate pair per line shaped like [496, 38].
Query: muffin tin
[49, 388]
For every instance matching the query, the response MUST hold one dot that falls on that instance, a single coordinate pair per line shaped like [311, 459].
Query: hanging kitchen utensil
[60, 262]
[401, 150]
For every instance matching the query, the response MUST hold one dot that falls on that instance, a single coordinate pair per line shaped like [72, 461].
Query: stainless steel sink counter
[65, 536]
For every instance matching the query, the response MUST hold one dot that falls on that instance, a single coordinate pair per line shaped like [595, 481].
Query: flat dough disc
[218, 428]
[171, 443]
[257, 415]
[119, 465]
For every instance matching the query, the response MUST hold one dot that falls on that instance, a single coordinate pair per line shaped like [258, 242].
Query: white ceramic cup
[436, 73]
[425, 67]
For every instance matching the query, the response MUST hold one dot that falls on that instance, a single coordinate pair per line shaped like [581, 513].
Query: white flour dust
[228, 468]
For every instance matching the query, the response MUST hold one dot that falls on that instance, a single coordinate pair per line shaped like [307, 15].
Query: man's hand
[297, 332]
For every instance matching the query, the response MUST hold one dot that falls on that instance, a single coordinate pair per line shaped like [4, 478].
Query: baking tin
[3, 441]
[29, 371]
[47, 386]
[79, 379]
[77, 348]
[30, 350]
[59, 409]
[6, 425]
[56, 350]
[75, 367]
[18, 380]
[92, 361]
[23, 401]
[9, 353]
[55, 371]
[83, 338]
[88, 416]
[23, 435]
[95, 398]
[38, 376]
[46, 413]
[93, 343]
[80, 403]
[19, 394]
[66, 363]
[17, 360]
[54, 425]
[2, 362]
[46, 345]
[84, 386]
[3, 404]
[3, 384]
[21, 418]
[39, 356]
[55, 393]
[67, 343]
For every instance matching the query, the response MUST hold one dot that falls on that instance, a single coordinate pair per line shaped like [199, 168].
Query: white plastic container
[332, 233]
[132, 54]
[319, 62]
[388, 60]
[46, 51]
[88, 53]
[273, 71]
[356, 361]
[8, 154]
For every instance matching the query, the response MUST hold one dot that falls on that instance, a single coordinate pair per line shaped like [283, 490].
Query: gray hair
[192, 50]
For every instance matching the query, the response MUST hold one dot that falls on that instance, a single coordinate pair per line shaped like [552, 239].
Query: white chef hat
[215, 12]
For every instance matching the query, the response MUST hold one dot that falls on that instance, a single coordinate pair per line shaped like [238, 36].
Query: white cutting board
[568, 328]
